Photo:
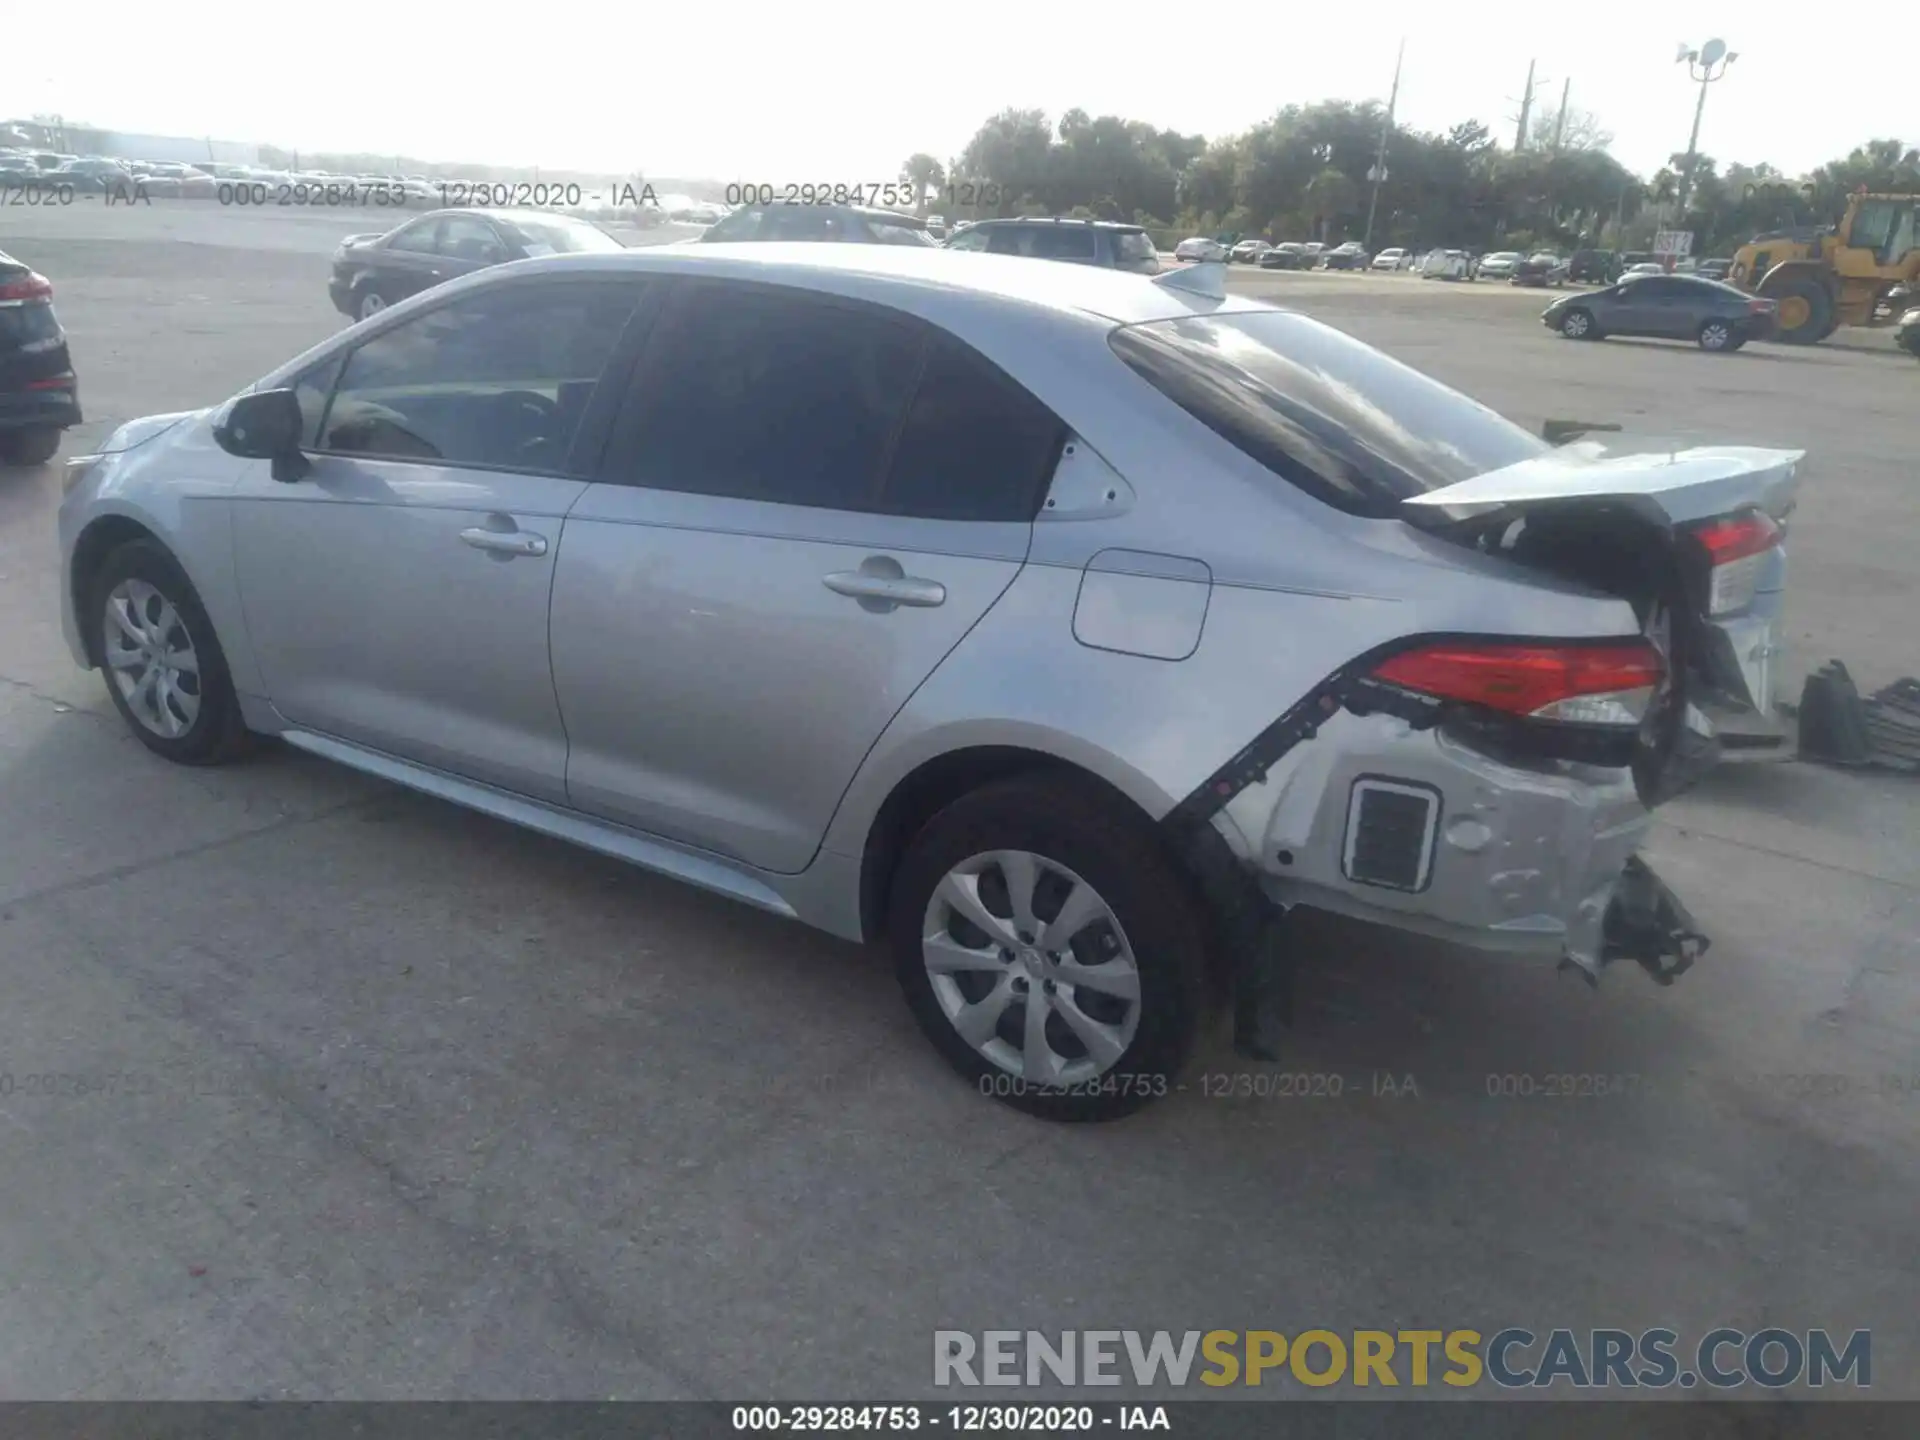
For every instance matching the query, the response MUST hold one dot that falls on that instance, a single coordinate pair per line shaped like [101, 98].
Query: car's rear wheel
[1049, 948]
[1577, 324]
[33, 446]
[1717, 335]
[165, 671]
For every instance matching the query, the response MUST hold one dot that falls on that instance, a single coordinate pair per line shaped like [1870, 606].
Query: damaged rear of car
[1584, 633]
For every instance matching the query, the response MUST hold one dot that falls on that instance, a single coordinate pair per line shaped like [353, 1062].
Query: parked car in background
[1538, 270]
[1715, 316]
[1631, 258]
[1106, 243]
[813, 576]
[1348, 256]
[39, 394]
[1593, 267]
[937, 226]
[1499, 265]
[1445, 265]
[1715, 269]
[1906, 332]
[1248, 252]
[1644, 267]
[95, 176]
[1393, 258]
[1287, 255]
[371, 272]
[831, 224]
[1199, 247]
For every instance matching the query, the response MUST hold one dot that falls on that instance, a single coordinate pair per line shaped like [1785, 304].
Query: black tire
[369, 300]
[217, 734]
[1578, 324]
[1820, 321]
[1717, 337]
[1068, 823]
[33, 446]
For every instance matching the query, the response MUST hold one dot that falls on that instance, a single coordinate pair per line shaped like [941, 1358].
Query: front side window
[1010, 240]
[740, 225]
[559, 235]
[417, 238]
[970, 240]
[1320, 410]
[468, 237]
[803, 222]
[499, 379]
[761, 393]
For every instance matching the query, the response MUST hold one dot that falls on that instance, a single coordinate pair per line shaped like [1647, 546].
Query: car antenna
[1204, 277]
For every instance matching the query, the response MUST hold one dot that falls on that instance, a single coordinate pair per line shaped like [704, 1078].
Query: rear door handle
[505, 542]
[890, 590]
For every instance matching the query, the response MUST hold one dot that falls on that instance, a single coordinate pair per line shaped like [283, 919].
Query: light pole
[1706, 65]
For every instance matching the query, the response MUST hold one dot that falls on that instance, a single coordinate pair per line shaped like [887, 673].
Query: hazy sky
[843, 92]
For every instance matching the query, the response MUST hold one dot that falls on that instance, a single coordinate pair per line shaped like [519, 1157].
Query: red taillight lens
[1735, 537]
[32, 286]
[1734, 546]
[1602, 684]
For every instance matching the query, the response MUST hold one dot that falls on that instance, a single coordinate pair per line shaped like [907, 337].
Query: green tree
[924, 173]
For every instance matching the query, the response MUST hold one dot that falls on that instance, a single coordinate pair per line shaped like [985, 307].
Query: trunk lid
[1693, 537]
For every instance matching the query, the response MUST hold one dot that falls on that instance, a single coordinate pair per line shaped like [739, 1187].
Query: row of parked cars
[200, 180]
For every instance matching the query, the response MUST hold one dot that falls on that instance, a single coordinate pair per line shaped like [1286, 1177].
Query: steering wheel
[525, 420]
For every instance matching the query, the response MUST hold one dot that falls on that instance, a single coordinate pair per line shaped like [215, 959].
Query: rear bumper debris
[1646, 923]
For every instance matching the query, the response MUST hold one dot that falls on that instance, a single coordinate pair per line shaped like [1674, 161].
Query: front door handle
[888, 590]
[505, 542]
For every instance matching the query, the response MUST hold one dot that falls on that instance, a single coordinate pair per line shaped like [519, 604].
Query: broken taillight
[1736, 547]
[1593, 684]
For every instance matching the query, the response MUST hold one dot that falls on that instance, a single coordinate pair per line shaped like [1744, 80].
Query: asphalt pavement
[413, 1104]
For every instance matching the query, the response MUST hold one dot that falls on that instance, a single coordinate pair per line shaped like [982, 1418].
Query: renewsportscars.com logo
[1722, 1359]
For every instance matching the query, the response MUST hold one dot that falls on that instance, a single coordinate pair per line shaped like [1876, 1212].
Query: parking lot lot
[427, 1106]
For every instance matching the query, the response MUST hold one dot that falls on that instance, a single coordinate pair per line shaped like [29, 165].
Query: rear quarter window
[1320, 410]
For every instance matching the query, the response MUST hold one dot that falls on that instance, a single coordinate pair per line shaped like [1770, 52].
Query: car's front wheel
[1049, 948]
[165, 671]
[33, 446]
[368, 301]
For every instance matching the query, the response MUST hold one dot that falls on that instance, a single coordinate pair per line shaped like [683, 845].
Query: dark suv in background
[39, 396]
[1106, 243]
[1593, 267]
[847, 224]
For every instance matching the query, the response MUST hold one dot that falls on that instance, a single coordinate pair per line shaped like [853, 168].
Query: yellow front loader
[1823, 279]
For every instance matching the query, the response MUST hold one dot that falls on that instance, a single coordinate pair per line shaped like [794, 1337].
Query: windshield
[1320, 409]
[562, 236]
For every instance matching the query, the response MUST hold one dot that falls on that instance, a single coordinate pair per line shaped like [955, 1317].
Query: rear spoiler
[1674, 487]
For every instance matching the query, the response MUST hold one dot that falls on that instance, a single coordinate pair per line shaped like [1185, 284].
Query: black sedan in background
[39, 396]
[371, 272]
[1666, 307]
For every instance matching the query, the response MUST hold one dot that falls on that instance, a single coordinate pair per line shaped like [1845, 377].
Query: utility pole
[1526, 111]
[1378, 174]
[1560, 122]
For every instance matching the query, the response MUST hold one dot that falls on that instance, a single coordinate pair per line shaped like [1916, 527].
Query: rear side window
[766, 394]
[976, 445]
[1134, 245]
[1320, 410]
[1065, 242]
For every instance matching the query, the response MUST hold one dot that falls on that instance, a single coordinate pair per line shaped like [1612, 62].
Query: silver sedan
[1058, 629]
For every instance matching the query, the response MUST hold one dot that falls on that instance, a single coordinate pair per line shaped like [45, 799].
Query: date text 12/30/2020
[879, 194]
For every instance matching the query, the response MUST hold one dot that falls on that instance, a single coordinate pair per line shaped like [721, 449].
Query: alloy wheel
[1031, 967]
[151, 658]
[1714, 335]
[371, 304]
[1576, 324]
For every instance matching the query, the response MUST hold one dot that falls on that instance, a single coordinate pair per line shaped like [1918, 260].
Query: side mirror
[264, 425]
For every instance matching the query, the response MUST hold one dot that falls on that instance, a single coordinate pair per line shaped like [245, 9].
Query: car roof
[1057, 220]
[941, 278]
